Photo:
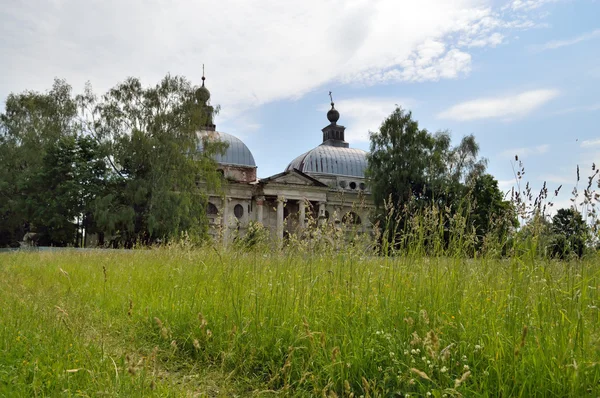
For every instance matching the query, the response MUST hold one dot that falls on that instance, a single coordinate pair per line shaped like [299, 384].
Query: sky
[523, 76]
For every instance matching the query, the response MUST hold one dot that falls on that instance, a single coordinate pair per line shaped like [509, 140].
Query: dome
[333, 115]
[237, 153]
[327, 159]
[202, 94]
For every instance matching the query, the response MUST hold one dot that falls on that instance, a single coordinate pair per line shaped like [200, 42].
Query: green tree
[408, 166]
[570, 233]
[489, 212]
[159, 180]
[71, 177]
[403, 162]
[30, 128]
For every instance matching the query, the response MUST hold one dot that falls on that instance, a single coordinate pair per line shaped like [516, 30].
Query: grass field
[179, 322]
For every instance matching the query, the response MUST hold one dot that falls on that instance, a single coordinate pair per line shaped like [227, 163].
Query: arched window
[211, 209]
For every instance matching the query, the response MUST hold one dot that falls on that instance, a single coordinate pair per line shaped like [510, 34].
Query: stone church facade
[326, 184]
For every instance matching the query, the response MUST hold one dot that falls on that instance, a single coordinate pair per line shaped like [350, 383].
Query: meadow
[206, 322]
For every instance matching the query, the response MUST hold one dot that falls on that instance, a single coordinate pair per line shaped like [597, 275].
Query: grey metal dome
[327, 159]
[237, 153]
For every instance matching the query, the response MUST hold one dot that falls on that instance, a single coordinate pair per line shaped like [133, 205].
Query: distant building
[326, 184]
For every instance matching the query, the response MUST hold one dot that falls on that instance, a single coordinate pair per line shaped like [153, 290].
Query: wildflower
[444, 369]
[405, 352]
[466, 367]
[477, 347]
[413, 352]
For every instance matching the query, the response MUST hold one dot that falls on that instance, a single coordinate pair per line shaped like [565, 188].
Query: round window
[362, 186]
[352, 185]
[238, 211]
[343, 184]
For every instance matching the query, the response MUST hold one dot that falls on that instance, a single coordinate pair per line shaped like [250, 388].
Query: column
[280, 201]
[226, 221]
[302, 213]
[321, 213]
[260, 201]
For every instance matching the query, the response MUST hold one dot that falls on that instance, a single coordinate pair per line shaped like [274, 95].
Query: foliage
[410, 168]
[159, 178]
[125, 166]
[570, 234]
[40, 152]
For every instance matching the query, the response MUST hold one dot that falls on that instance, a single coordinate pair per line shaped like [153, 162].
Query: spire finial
[331, 98]
[202, 94]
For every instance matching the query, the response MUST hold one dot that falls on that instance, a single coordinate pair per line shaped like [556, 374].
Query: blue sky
[523, 76]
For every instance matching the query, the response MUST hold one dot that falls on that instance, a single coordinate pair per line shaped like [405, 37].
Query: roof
[327, 159]
[237, 153]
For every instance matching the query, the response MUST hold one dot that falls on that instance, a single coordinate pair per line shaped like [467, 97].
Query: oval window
[238, 211]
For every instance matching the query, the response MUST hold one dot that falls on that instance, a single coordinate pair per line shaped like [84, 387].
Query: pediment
[293, 177]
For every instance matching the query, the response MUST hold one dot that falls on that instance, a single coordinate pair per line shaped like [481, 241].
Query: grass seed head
[347, 388]
[415, 339]
[365, 385]
[463, 378]
[420, 373]
[335, 353]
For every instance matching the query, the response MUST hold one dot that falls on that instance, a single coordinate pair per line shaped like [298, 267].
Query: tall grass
[443, 312]
[178, 322]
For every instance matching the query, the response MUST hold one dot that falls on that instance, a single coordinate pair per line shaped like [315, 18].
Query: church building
[325, 184]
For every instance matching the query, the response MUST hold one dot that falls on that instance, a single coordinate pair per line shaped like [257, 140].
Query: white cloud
[552, 45]
[524, 152]
[506, 185]
[506, 107]
[361, 115]
[585, 108]
[590, 143]
[255, 51]
[487, 41]
[528, 5]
